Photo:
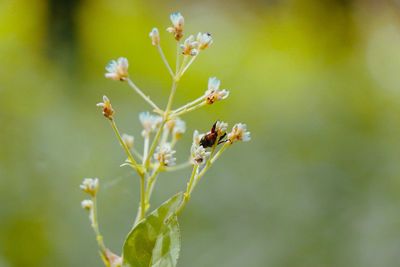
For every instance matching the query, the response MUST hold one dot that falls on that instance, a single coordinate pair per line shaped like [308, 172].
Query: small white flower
[90, 186]
[204, 40]
[197, 137]
[165, 155]
[117, 69]
[179, 128]
[189, 46]
[155, 37]
[150, 122]
[220, 127]
[87, 204]
[213, 93]
[177, 25]
[128, 140]
[108, 111]
[239, 133]
[199, 154]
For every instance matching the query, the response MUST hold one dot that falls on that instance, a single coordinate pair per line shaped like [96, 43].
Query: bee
[209, 139]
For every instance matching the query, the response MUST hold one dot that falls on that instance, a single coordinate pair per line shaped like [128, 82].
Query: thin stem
[211, 160]
[188, 65]
[194, 102]
[142, 197]
[187, 110]
[153, 145]
[95, 226]
[150, 185]
[165, 60]
[189, 189]
[178, 49]
[145, 97]
[127, 151]
[170, 99]
[178, 167]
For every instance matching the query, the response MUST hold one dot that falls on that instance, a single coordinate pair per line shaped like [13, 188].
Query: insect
[209, 139]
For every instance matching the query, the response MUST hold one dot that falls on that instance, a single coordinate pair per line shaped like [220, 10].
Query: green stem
[126, 149]
[188, 65]
[150, 185]
[165, 60]
[187, 110]
[95, 226]
[189, 189]
[145, 97]
[194, 102]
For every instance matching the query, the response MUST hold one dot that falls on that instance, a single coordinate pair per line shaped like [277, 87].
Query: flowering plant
[155, 237]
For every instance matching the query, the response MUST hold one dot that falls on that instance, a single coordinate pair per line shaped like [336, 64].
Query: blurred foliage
[316, 82]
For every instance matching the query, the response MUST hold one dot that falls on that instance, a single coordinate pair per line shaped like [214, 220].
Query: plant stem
[95, 226]
[146, 98]
[165, 60]
[194, 102]
[145, 148]
[211, 160]
[150, 185]
[189, 189]
[187, 110]
[188, 65]
[127, 151]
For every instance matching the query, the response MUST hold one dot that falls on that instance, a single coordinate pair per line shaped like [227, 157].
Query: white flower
[213, 93]
[150, 122]
[199, 154]
[204, 40]
[165, 155]
[197, 137]
[177, 127]
[128, 140]
[239, 133]
[87, 204]
[189, 46]
[177, 25]
[220, 127]
[90, 186]
[117, 69]
[108, 111]
[155, 37]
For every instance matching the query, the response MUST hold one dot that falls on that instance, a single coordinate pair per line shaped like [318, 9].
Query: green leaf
[154, 242]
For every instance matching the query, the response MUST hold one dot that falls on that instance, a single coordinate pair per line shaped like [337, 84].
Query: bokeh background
[317, 82]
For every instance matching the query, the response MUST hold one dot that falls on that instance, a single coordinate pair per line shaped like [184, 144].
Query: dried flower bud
[189, 46]
[204, 40]
[213, 93]
[150, 122]
[90, 186]
[128, 140]
[239, 133]
[177, 25]
[165, 155]
[87, 204]
[155, 37]
[108, 111]
[199, 154]
[117, 69]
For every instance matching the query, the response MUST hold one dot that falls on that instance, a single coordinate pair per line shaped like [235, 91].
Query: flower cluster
[162, 129]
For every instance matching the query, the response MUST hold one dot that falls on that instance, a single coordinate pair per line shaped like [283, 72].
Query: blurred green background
[317, 82]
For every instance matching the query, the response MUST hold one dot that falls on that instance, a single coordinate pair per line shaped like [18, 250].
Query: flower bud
[213, 93]
[239, 133]
[155, 37]
[108, 111]
[87, 204]
[177, 25]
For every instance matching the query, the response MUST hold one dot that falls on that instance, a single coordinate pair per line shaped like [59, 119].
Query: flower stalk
[162, 129]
